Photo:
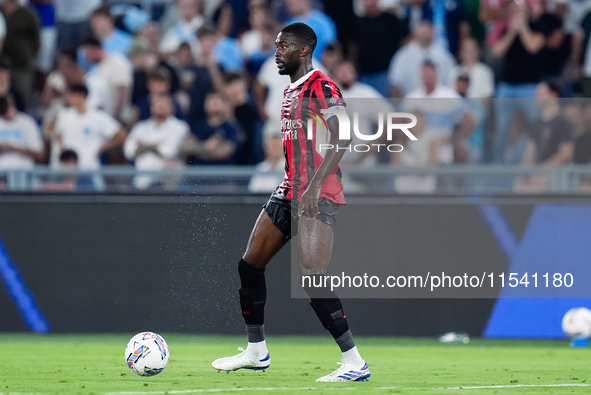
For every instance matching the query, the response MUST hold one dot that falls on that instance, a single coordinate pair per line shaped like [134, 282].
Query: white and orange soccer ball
[576, 323]
[147, 354]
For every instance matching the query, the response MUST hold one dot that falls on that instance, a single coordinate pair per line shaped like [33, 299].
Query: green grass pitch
[82, 364]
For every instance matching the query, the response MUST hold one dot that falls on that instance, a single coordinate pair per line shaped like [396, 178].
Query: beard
[289, 68]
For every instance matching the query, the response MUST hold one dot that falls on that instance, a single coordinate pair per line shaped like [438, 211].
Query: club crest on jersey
[296, 102]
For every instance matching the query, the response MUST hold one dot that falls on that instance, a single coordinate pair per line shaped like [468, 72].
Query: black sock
[253, 295]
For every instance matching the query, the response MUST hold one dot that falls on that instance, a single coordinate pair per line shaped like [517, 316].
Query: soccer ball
[147, 354]
[576, 323]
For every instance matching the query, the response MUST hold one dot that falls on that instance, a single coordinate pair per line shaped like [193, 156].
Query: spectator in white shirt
[68, 72]
[117, 71]
[404, 73]
[87, 131]
[367, 103]
[446, 112]
[482, 82]
[155, 144]
[21, 145]
[430, 87]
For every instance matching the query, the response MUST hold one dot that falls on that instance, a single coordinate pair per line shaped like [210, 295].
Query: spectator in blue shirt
[216, 140]
[112, 39]
[158, 84]
[302, 11]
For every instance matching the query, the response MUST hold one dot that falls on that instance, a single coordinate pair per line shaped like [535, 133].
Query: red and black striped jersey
[302, 101]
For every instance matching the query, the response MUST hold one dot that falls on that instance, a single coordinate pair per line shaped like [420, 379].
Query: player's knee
[255, 260]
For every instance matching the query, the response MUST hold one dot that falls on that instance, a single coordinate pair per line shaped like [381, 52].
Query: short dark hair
[70, 55]
[160, 74]
[80, 89]
[184, 45]
[92, 42]
[303, 33]
[68, 155]
[206, 31]
[102, 11]
[232, 77]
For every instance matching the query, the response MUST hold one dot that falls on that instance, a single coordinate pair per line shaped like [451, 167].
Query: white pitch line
[204, 390]
[214, 390]
[207, 390]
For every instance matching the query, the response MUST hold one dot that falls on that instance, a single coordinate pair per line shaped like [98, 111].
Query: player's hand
[308, 206]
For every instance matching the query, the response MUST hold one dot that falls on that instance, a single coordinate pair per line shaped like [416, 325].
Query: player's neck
[304, 69]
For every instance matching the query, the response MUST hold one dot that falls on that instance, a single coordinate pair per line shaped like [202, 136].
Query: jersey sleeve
[328, 97]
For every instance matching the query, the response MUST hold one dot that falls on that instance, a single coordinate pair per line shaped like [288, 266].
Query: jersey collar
[302, 80]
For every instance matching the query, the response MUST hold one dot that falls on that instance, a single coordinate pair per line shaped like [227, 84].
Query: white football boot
[241, 361]
[347, 372]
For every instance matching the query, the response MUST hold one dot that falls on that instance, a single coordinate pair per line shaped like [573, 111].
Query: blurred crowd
[171, 83]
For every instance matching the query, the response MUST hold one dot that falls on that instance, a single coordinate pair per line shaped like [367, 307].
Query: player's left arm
[308, 206]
